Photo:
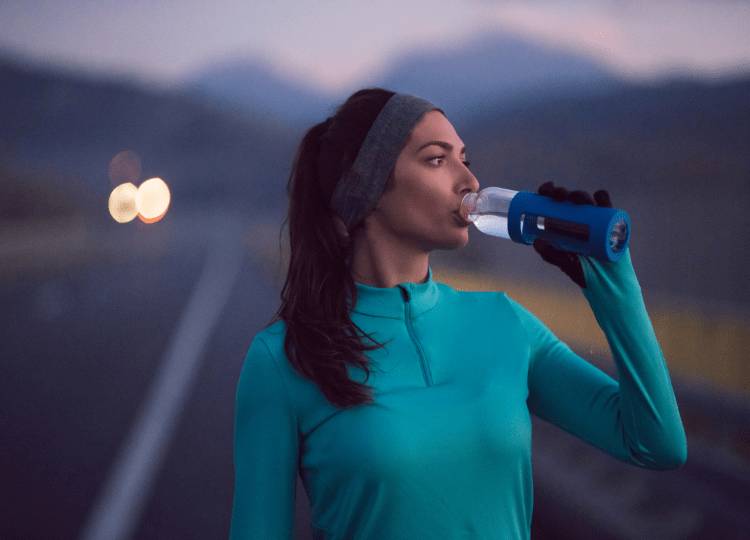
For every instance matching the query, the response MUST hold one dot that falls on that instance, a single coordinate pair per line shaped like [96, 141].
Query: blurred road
[83, 345]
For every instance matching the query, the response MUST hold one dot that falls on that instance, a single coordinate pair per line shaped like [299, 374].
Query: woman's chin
[460, 239]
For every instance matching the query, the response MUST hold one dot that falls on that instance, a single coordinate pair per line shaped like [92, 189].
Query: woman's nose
[471, 182]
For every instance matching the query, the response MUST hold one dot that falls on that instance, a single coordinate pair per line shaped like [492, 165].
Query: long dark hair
[321, 339]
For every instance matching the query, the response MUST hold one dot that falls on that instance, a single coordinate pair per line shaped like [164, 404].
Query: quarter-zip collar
[390, 301]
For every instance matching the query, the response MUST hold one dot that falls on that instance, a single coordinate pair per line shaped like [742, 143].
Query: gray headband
[359, 189]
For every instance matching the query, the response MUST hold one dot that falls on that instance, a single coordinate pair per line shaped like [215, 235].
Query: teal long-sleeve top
[445, 450]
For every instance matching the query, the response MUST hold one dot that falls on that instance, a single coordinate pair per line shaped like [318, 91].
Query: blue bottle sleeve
[587, 228]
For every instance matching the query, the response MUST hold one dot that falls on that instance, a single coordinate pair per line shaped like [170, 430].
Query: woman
[429, 434]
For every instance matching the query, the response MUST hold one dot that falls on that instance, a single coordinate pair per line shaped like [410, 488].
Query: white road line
[117, 511]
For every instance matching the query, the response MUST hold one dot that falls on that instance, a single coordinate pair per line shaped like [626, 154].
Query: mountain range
[489, 70]
[675, 154]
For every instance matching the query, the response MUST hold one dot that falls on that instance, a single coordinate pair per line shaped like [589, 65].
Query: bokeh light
[122, 203]
[125, 166]
[152, 200]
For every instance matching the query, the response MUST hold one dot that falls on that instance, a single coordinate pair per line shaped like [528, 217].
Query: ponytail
[321, 341]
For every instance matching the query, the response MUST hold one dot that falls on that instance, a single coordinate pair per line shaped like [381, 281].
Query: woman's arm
[265, 450]
[636, 419]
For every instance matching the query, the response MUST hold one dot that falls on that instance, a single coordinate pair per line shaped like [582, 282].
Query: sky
[333, 44]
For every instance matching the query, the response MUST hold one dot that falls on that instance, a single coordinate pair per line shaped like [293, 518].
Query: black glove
[567, 261]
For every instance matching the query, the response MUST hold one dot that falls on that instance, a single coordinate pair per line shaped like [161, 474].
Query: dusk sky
[333, 44]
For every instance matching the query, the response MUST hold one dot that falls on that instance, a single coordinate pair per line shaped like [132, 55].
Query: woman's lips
[461, 220]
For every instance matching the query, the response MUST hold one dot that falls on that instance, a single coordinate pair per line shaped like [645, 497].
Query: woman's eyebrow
[446, 145]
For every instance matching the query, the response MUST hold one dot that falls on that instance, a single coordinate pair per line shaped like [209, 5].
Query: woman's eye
[467, 163]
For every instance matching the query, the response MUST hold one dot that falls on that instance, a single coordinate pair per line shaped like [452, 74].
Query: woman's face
[429, 183]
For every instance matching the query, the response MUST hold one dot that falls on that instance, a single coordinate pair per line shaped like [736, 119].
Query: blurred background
[144, 153]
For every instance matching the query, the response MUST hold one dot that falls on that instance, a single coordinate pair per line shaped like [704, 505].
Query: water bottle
[523, 216]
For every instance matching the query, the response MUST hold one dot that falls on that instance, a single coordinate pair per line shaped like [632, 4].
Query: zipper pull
[405, 293]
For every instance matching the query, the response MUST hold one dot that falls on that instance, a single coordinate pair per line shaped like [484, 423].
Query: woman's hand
[568, 261]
